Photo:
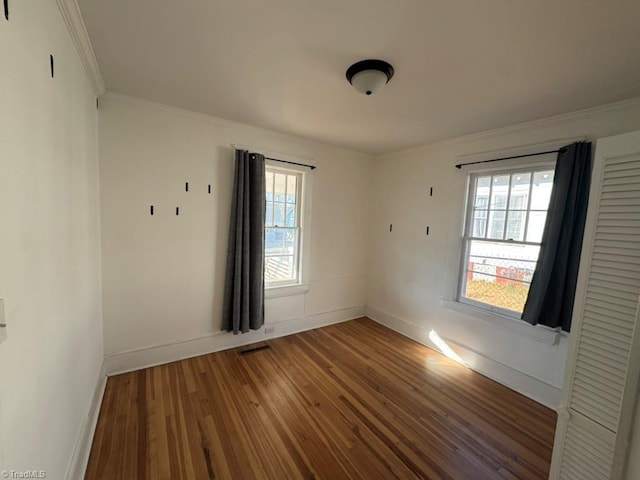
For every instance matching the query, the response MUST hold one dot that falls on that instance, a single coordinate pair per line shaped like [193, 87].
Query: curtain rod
[460, 165]
[312, 167]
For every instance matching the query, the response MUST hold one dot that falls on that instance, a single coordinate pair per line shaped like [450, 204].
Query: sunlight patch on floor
[444, 348]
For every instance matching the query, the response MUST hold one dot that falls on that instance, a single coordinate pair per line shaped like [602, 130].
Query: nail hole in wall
[391, 227]
[431, 192]
[427, 230]
[51, 65]
[6, 9]
[177, 210]
[186, 187]
[209, 188]
[151, 210]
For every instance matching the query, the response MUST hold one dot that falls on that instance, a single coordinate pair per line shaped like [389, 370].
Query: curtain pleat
[243, 306]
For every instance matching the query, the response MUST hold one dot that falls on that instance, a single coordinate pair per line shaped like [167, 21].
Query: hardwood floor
[349, 401]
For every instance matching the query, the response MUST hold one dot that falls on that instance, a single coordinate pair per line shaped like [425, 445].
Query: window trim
[300, 175]
[466, 239]
[304, 273]
[286, 290]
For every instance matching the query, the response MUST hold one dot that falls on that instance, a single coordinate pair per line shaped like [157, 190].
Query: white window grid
[470, 220]
[274, 227]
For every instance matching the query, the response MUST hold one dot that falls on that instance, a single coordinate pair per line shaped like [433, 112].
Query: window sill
[285, 291]
[535, 332]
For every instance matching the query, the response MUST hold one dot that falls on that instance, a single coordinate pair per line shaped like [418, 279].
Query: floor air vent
[254, 350]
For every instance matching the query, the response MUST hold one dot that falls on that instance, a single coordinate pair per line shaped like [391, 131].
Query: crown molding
[73, 19]
[559, 119]
[546, 121]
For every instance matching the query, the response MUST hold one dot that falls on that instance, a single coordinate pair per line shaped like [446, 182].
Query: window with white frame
[282, 226]
[505, 218]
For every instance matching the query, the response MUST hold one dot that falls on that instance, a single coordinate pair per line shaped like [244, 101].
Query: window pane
[499, 273]
[269, 198]
[484, 183]
[268, 180]
[274, 239]
[515, 225]
[536, 226]
[482, 202]
[268, 214]
[482, 192]
[279, 269]
[541, 191]
[519, 197]
[291, 216]
[281, 252]
[500, 191]
[290, 240]
[496, 224]
[280, 186]
[479, 223]
[480, 206]
[278, 214]
[292, 188]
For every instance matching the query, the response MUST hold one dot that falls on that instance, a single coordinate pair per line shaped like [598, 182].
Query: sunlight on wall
[444, 348]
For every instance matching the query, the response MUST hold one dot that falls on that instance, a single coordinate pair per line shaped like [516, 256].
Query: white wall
[50, 276]
[412, 273]
[163, 274]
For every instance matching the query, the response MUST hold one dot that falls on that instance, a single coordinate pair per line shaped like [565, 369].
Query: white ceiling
[462, 66]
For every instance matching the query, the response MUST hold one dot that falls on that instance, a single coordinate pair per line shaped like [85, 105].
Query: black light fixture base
[371, 64]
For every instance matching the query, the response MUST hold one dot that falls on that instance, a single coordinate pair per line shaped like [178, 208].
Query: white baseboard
[160, 354]
[82, 447]
[527, 385]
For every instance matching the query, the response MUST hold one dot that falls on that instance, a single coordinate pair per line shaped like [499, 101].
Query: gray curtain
[553, 287]
[243, 307]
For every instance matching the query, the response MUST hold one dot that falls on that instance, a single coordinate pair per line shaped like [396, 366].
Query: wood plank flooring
[349, 401]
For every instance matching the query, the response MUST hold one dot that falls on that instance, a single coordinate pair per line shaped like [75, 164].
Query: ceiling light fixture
[369, 76]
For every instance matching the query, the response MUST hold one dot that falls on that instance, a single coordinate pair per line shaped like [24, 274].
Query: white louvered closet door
[599, 393]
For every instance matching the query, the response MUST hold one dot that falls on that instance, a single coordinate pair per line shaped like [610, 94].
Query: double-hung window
[506, 214]
[282, 226]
